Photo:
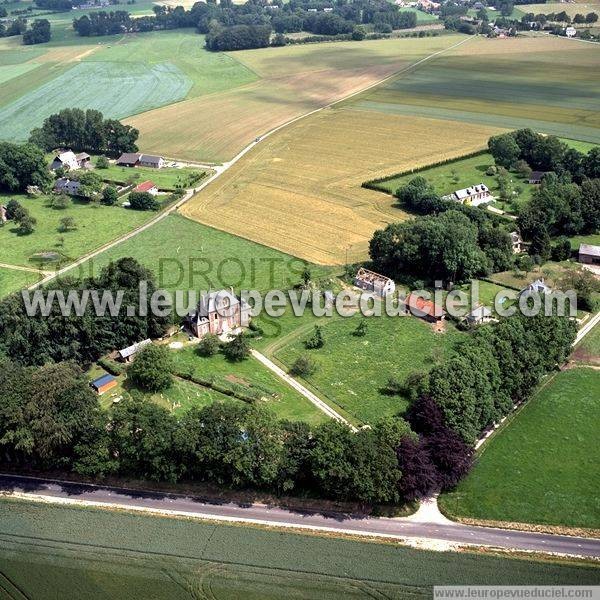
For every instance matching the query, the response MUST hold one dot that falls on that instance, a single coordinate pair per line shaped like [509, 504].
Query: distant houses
[146, 186]
[134, 159]
[218, 313]
[473, 195]
[374, 282]
[69, 161]
[424, 309]
[589, 255]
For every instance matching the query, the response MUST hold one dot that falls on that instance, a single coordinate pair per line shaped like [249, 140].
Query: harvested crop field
[300, 190]
[294, 80]
[551, 85]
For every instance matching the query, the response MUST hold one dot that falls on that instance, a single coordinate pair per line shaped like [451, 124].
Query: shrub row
[373, 184]
[232, 392]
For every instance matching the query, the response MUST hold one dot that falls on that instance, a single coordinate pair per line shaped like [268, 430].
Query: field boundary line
[313, 398]
[220, 169]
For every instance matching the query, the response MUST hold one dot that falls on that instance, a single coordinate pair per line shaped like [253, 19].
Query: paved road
[410, 527]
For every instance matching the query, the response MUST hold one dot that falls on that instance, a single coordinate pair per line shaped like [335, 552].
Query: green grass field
[544, 466]
[249, 376]
[116, 89]
[12, 280]
[540, 83]
[186, 255]
[423, 18]
[460, 174]
[351, 371]
[55, 552]
[96, 225]
[166, 178]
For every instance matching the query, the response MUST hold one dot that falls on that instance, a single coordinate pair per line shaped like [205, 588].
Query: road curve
[400, 528]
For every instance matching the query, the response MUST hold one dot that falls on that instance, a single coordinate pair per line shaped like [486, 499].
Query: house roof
[589, 250]
[150, 158]
[481, 312]
[130, 350]
[215, 301]
[536, 175]
[538, 286]
[416, 302]
[145, 186]
[129, 158]
[474, 189]
[83, 156]
[64, 183]
[371, 276]
[102, 381]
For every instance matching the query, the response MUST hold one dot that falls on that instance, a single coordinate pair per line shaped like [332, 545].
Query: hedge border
[373, 184]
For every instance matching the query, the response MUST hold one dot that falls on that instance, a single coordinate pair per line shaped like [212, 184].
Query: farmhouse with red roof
[424, 309]
[146, 186]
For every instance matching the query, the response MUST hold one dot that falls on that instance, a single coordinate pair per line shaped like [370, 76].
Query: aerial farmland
[298, 299]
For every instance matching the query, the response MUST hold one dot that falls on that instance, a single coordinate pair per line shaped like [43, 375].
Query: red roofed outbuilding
[424, 309]
[146, 186]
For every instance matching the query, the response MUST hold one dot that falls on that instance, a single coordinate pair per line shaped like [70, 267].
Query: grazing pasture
[352, 371]
[95, 226]
[571, 8]
[294, 80]
[12, 280]
[549, 84]
[106, 554]
[300, 190]
[543, 467]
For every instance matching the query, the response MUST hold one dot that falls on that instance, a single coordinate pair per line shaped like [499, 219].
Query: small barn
[103, 384]
[536, 177]
[129, 159]
[127, 354]
[424, 309]
[146, 186]
[589, 255]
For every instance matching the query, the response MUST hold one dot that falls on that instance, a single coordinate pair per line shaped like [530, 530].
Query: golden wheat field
[294, 80]
[300, 190]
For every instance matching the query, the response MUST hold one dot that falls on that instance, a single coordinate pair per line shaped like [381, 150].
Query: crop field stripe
[118, 90]
[576, 132]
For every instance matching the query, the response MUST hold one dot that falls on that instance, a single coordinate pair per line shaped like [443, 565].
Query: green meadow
[352, 372]
[12, 280]
[543, 466]
[107, 554]
[96, 225]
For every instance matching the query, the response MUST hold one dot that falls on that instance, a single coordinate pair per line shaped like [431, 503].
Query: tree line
[231, 26]
[447, 241]
[567, 202]
[85, 130]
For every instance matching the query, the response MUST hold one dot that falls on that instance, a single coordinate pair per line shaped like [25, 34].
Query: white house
[374, 282]
[149, 160]
[65, 160]
[473, 195]
[518, 245]
[146, 186]
[570, 32]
